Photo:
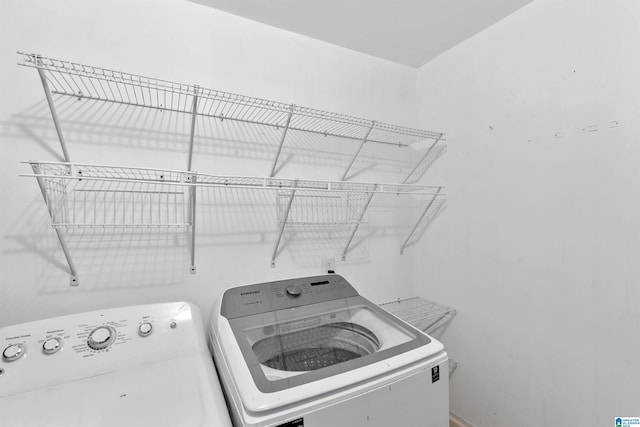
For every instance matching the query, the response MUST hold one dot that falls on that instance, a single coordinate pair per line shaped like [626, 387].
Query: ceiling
[410, 32]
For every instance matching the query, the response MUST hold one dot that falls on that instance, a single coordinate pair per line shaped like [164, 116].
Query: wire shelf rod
[282, 227]
[192, 221]
[282, 138]
[318, 188]
[151, 176]
[415, 227]
[357, 225]
[426, 154]
[63, 243]
[355, 155]
[112, 226]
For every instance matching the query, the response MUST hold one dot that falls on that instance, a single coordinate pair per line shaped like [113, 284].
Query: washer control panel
[271, 296]
[79, 346]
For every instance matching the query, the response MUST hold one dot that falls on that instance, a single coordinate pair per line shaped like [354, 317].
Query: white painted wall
[537, 249]
[186, 42]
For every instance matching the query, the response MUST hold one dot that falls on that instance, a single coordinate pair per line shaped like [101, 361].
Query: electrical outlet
[328, 265]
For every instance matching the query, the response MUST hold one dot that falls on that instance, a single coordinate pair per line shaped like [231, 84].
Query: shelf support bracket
[424, 213]
[194, 114]
[63, 242]
[54, 115]
[192, 207]
[284, 135]
[355, 228]
[438, 139]
[284, 223]
[355, 156]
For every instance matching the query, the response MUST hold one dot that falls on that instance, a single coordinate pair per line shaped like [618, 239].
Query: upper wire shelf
[97, 83]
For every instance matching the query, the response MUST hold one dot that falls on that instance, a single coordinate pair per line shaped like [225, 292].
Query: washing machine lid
[299, 331]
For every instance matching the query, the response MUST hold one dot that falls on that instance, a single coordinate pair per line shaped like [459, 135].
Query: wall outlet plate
[328, 266]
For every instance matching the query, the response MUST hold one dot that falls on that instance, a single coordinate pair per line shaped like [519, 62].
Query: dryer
[145, 365]
[312, 352]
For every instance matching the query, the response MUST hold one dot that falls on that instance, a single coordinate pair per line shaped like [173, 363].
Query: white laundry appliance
[311, 352]
[145, 365]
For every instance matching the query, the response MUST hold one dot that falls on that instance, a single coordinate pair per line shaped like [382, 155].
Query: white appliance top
[144, 365]
[292, 340]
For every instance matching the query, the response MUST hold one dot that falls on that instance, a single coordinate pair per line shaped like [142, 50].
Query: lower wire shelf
[428, 316]
[89, 196]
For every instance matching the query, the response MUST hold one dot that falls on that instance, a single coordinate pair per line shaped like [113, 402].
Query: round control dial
[145, 329]
[13, 352]
[294, 291]
[101, 337]
[52, 345]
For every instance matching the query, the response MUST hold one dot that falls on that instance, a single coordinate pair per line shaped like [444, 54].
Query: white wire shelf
[96, 83]
[98, 196]
[320, 210]
[80, 195]
[428, 316]
[89, 196]
[425, 315]
[91, 172]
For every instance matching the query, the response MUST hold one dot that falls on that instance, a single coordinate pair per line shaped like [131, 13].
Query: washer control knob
[51, 345]
[144, 330]
[13, 352]
[294, 291]
[101, 337]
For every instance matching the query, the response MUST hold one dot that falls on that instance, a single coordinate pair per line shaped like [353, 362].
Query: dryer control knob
[52, 345]
[144, 330]
[101, 337]
[13, 352]
[294, 291]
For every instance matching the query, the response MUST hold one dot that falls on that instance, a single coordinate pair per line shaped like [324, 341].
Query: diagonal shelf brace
[192, 208]
[355, 156]
[54, 115]
[63, 242]
[438, 139]
[355, 228]
[284, 135]
[194, 114]
[424, 213]
[284, 223]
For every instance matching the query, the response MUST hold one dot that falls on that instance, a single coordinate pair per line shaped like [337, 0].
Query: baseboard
[456, 421]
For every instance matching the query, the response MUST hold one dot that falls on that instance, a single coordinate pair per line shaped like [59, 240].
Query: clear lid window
[294, 347]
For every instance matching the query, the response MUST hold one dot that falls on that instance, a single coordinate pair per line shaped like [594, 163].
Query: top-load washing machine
[312, 352]
[145, 365]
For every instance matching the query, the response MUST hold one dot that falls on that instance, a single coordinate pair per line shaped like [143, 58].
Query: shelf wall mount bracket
[74, 280]
[283, 225]
[52, 108]
[424, 213]
[357, 153]
[274, 167]
[438, 139]
[194, 115]
[355, 227]
[192, 211]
